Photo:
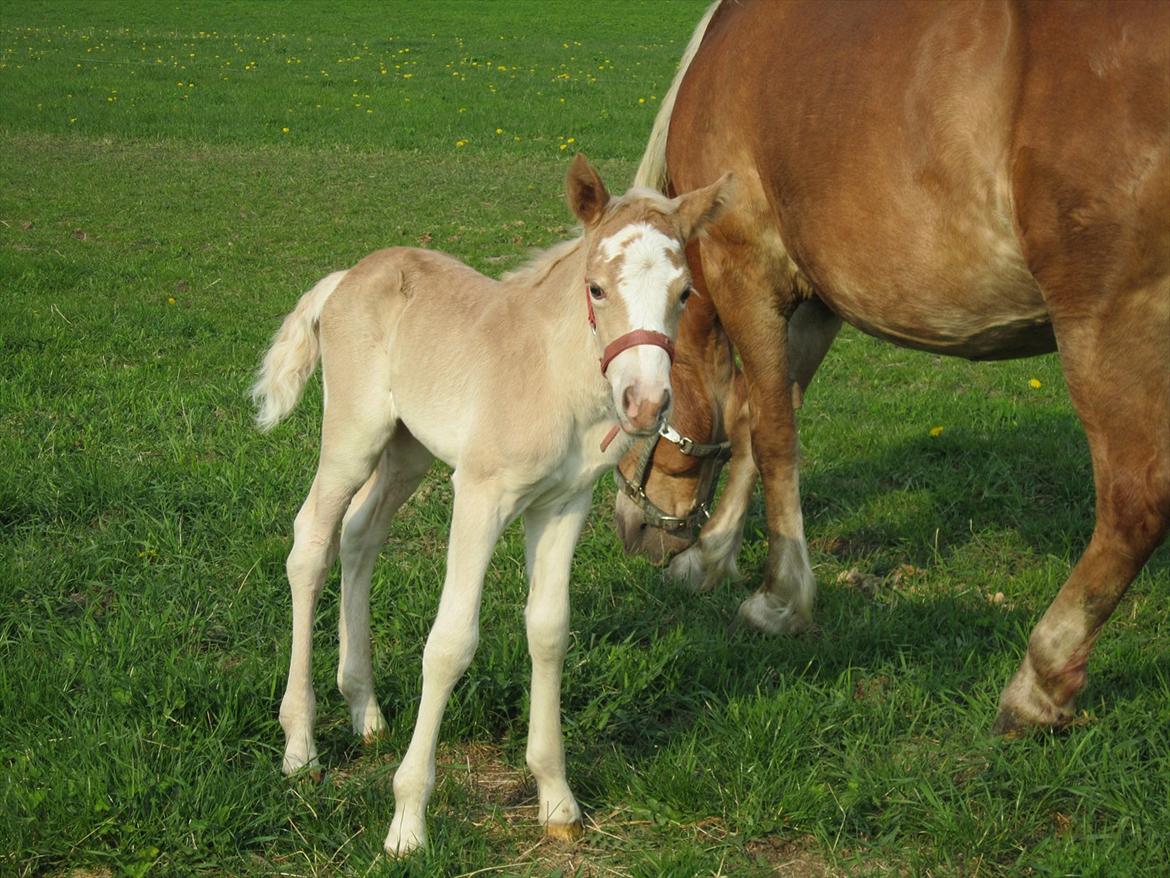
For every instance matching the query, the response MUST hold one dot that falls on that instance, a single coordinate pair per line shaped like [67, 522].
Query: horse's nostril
[642, 526]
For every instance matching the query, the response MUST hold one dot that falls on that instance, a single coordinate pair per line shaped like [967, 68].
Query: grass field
[173, 177]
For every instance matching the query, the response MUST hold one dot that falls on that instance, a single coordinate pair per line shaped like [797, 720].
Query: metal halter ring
[714, 456]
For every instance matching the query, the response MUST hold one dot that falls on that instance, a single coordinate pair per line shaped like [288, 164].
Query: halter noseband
[714, 455]
[631, 339]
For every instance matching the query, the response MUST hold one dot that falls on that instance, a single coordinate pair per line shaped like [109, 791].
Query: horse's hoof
[298, 767]
[1010, 725]
[564, 831]
[764, 613]
[402, 840]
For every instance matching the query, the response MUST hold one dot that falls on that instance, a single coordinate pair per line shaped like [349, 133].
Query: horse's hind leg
[353, 433]
[1117, 363]
[402, 466]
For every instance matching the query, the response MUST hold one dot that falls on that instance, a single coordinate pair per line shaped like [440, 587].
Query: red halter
[633, 338]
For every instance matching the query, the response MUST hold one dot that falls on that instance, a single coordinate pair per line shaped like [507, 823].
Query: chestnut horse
[983, 180]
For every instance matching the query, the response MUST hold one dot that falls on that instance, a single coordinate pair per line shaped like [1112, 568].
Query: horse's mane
[542, 263]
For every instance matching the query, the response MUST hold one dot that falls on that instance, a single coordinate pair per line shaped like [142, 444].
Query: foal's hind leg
[1117, 363]
[352, 437]
[363, 532]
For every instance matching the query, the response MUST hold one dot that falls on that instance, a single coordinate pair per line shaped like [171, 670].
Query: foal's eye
[596, 292]
[685, 294]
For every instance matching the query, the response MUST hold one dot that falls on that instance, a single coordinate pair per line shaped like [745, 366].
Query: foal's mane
[542, 264]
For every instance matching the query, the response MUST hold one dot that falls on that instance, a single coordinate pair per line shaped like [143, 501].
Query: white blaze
[648, 270]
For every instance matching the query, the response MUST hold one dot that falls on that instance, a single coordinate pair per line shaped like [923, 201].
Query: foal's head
[636, 283]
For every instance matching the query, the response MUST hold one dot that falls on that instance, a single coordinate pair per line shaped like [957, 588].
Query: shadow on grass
[962, 505]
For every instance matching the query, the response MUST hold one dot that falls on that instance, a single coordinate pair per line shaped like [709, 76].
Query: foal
[423, 357]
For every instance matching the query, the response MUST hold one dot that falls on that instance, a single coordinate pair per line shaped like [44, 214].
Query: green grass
[144, 614]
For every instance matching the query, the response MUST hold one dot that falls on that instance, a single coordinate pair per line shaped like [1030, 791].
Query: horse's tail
[652, 172]
[292, 357]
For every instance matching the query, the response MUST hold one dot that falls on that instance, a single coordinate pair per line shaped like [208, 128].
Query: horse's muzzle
[639, 538]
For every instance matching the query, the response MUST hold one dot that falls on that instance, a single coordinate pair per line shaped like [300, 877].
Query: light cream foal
[423, 357]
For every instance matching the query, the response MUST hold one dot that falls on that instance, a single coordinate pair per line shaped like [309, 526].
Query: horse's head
[667, 482]
[637, 283]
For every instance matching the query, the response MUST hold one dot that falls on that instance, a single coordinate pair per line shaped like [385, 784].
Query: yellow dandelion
[1034, 383]
[571, 140]
[641, 100]
[284, 131]
[936, 431]
[170, 300]
[499, 131]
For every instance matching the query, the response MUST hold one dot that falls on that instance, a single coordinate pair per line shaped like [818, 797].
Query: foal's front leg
[479, 516]
[550, 536]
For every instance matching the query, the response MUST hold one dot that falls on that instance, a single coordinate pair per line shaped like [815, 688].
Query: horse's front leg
[712, 558]
[550, 536]
[479, 516]
[750, 287]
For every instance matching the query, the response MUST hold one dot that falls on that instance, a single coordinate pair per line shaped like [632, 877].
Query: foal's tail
[652, 172]
[292, 357]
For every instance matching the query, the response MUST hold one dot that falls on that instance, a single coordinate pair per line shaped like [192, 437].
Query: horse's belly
[982, 305]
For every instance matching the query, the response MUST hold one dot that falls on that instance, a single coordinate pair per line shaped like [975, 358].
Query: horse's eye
[685, 294]
[596, 292]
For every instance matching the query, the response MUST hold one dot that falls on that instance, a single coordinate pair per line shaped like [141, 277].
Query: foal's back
[458, 358]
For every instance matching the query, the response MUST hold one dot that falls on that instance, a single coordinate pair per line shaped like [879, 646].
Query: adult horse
[983, 180]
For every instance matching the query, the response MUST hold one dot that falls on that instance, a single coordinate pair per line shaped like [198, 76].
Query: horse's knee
[449, 651]
[548, 633]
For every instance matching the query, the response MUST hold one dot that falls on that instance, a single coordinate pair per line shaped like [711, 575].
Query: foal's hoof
[302, 766]
[564, 831]
[368, 722]
[403, 839]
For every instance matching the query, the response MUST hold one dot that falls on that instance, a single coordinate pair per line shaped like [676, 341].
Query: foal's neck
[552, 289]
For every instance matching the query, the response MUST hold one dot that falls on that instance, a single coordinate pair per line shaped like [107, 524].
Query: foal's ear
[586, 193]
[700, 207]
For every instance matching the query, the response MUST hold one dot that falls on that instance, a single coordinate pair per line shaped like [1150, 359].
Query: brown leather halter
[631, 339]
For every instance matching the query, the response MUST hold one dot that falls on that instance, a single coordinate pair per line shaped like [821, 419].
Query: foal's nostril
[629, 406]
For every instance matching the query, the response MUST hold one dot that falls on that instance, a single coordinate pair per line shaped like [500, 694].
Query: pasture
[173, 178]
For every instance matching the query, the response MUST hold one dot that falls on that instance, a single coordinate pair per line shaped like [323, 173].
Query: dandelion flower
[1034, 383]
[284, 131]
[936, 431]
[170, 300]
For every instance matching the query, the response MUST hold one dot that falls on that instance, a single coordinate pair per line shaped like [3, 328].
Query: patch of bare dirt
[792, 857]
